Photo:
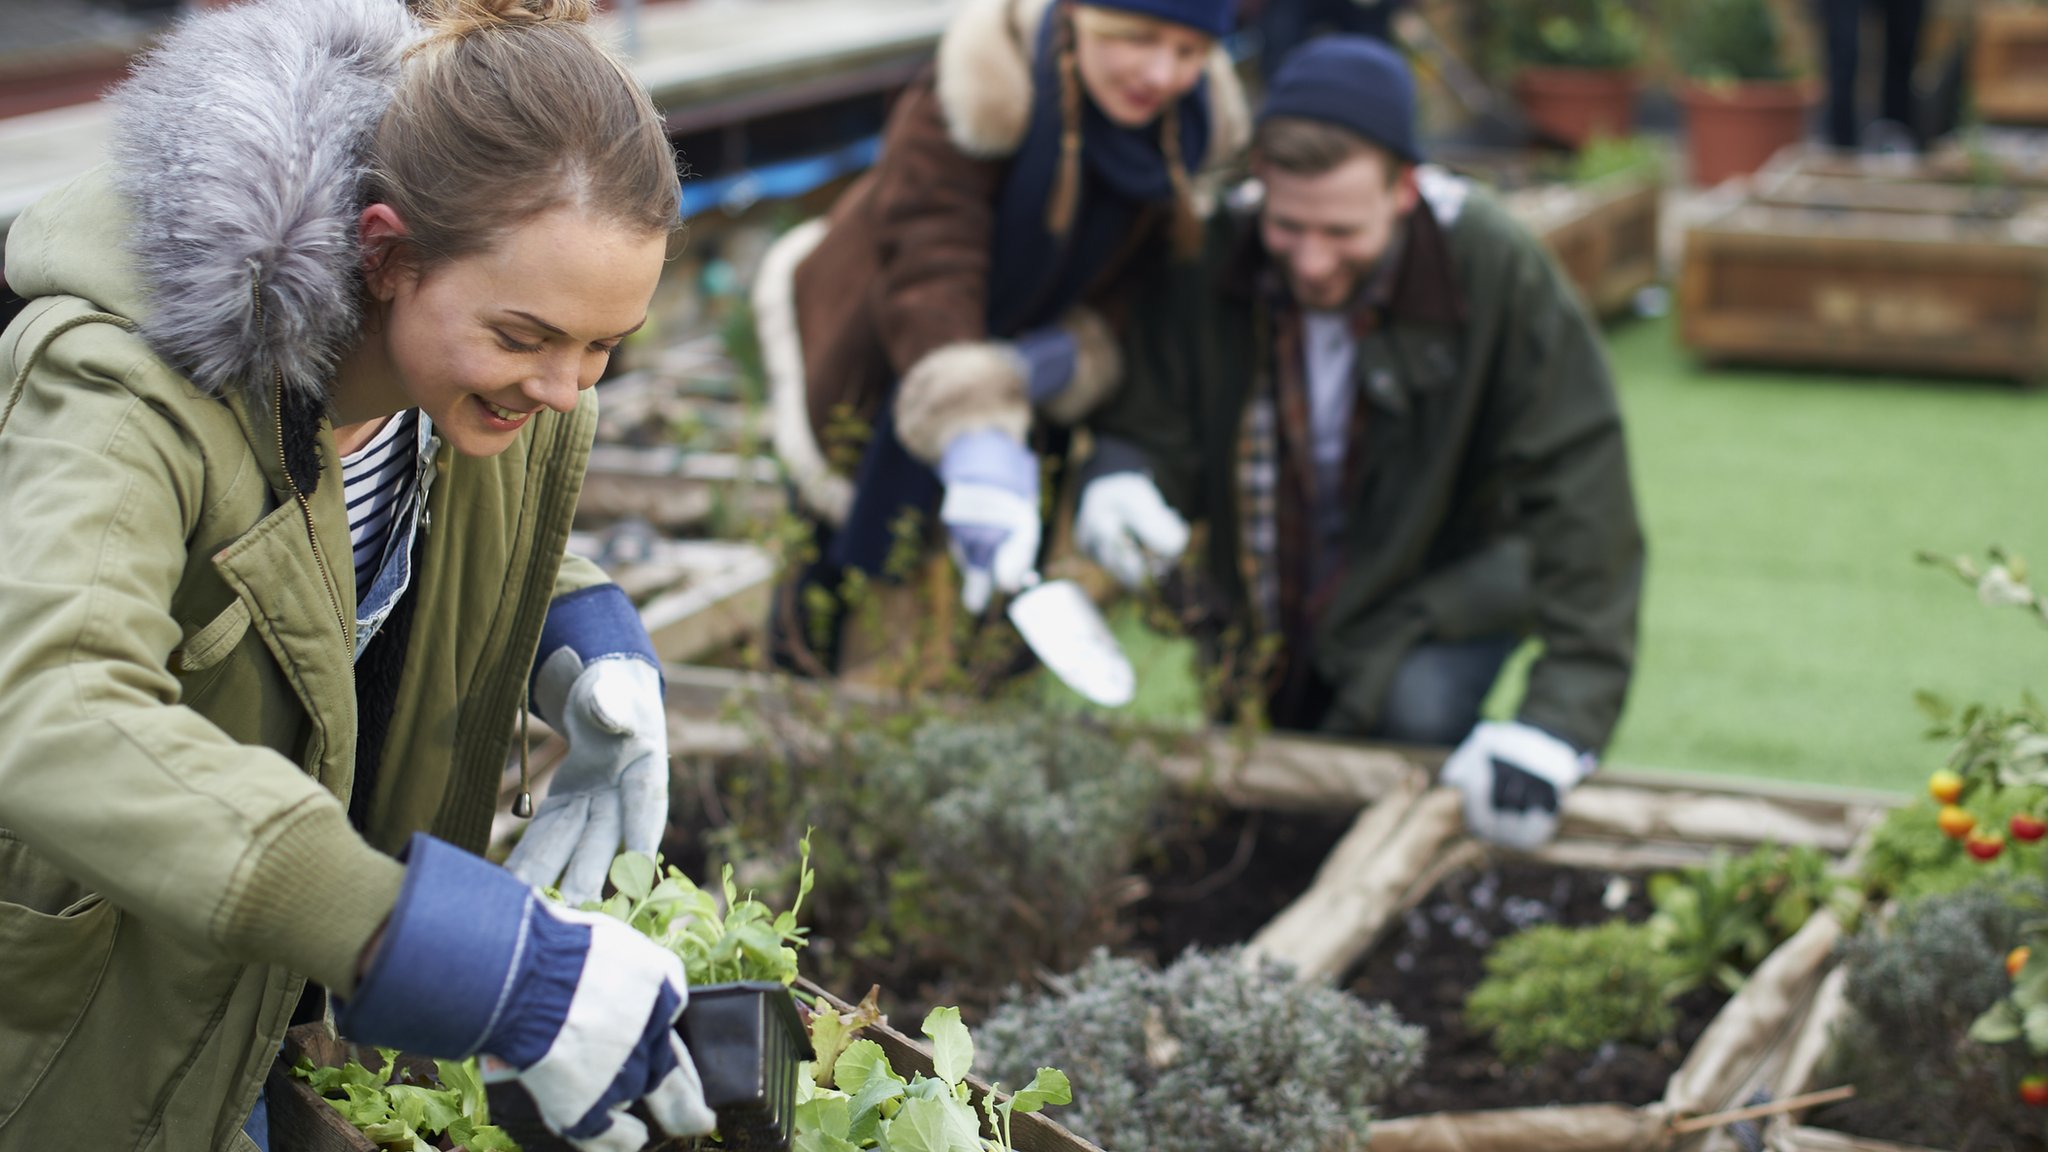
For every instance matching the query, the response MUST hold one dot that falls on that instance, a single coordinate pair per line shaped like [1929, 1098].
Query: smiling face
[482, 342]
[1328, 230]
[1133, 67]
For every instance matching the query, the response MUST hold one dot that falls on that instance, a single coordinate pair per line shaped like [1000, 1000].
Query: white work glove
[991, 514]
[611, 790]
[1126, 526]
[1515, 778]
[581, 1007]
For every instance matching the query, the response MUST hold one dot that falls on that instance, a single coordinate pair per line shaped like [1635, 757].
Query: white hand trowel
[1069, 636]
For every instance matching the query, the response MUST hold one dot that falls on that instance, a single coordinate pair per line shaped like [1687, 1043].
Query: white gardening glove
[1514, 778]
[991, 514]
[1126, 526]
[581, 1007]
[611, 790]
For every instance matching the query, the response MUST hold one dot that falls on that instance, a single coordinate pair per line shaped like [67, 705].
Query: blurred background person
[965, 285]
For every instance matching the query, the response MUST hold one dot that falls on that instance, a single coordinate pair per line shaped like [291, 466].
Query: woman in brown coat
[960, 287]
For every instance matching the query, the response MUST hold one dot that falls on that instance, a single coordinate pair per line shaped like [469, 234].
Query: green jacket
[178, 707]
[1493, 493]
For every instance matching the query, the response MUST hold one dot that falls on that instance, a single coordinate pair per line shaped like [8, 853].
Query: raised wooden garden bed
[2009, 63]
[1405, 906]
[1839, 272]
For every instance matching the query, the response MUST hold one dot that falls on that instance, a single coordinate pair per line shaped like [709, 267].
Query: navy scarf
[1034, 276]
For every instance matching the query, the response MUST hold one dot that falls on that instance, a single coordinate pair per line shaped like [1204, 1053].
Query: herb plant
[1551, 989]
[1728, 41]
[1208, 1053]
[1720, 920]
[1914, 985]
[982, 848]
[1569, 33]
[851, 1098]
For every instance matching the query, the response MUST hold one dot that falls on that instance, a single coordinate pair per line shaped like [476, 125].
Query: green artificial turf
[1786, 623]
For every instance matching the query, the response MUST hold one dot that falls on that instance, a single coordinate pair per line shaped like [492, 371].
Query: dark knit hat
[1214, 17]
[1353, 82]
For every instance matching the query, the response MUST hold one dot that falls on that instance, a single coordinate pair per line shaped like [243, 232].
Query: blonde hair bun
[456, 19]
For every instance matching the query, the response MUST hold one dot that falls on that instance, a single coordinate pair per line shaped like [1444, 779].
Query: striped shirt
[377, 479]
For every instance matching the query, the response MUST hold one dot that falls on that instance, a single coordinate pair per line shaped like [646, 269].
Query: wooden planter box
[1835, 273]
[2009, 63]
[1408, 844]
[1603, 234]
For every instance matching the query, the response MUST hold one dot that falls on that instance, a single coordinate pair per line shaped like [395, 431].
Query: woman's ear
[379, 232]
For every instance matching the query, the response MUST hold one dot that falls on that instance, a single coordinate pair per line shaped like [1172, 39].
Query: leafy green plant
[1568, 33]
[399, 1112]
[1915, 984]
[1721, 919]
[1553, 989]
[852, 1098]
[1608, 156]
[743, 940]
[1208, 1053]
[1728, 41]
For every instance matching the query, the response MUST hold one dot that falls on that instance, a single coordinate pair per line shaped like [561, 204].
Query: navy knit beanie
[1353, 82]
[1214, 17]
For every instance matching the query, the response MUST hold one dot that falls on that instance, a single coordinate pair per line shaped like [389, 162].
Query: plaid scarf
[1276, 475]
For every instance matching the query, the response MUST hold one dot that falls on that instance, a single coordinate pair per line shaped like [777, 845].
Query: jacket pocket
[205, 649]
[55, 940]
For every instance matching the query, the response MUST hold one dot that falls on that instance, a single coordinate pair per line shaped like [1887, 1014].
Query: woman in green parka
[293, 426]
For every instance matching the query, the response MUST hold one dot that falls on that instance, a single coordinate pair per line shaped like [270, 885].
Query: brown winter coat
[892, 284]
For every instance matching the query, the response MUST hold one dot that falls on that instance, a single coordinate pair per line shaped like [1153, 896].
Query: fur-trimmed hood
[238, 155]
[984, 82]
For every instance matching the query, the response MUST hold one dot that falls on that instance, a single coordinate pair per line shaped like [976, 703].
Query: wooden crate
[1603, 234]
[2009, 63]
[1876, 286]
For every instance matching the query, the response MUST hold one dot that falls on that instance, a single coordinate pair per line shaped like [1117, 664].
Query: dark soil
[1428, 963]
[1219, 889]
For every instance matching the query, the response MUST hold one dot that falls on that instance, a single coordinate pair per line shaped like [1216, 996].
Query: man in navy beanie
[1399, 426]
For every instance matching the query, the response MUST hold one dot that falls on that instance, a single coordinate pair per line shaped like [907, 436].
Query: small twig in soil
[1247, 840]
[1759, 1111]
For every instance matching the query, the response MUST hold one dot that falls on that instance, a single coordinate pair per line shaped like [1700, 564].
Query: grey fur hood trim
[239, 145]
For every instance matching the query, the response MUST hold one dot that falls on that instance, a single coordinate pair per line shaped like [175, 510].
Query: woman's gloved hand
[473, 961]
[991, 513]
[597, 681]
[1515, 778]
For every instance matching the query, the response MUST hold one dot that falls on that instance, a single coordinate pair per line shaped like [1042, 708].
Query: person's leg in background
[1437, 692]
[1842, 32]
[1903, 20]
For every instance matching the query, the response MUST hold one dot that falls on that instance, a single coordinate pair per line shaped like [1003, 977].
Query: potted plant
[1742, 100]
[1574, 64]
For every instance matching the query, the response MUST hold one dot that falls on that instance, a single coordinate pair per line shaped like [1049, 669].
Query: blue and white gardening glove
[990, 512]
[1126, 526]
[581, 1006]
[597, 681]
[1514, 778]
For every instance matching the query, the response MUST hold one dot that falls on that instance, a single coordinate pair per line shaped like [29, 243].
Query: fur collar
[239, 145]
[984, 82]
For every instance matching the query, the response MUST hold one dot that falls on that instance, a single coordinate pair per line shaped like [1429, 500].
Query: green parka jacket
[1493, 494]
[178, 703]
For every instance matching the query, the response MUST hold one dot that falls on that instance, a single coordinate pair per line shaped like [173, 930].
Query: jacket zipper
[305, 505]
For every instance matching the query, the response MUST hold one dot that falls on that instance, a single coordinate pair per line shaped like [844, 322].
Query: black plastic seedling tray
[746, 1040]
